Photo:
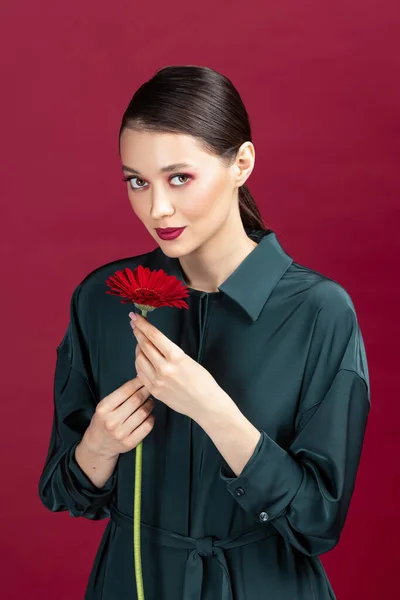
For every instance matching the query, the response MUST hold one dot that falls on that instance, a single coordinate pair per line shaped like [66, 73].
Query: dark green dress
[284, 342]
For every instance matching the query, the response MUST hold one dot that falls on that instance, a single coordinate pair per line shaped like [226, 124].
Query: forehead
[143, 149]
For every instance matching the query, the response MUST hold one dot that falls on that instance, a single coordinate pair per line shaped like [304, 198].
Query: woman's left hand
[170, 375]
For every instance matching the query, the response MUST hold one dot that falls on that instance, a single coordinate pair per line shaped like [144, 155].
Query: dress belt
[206, 546]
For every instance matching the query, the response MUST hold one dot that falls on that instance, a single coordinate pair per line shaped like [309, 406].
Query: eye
[131, 179]
[180, 175]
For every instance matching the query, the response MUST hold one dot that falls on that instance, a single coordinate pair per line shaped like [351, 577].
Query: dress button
[263, 516]
[239, 491]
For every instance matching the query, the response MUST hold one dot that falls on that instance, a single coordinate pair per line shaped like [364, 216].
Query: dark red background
[321, 83]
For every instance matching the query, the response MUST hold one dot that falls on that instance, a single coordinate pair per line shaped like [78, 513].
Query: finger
[143, 362]
[163, 344]
[150, 351]
[145, 371]
[118, 396]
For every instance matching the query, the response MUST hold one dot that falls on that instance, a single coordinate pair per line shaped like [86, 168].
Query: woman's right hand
[121, 420]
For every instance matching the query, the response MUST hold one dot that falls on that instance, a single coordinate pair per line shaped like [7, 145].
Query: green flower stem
[137, 513]
[136, 522]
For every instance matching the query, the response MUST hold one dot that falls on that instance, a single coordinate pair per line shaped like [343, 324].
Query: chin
[170, 250]
[175, 248]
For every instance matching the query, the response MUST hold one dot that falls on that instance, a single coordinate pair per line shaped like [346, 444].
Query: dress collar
[252, 282]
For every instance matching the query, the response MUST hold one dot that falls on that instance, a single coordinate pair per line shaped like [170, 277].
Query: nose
[161, 206]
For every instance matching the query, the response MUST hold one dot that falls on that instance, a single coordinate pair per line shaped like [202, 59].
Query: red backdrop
[321, 85]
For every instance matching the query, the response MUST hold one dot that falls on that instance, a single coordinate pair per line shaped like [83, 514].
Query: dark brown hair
[200, 102]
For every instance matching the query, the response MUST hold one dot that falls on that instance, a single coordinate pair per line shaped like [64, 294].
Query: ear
[244, 163]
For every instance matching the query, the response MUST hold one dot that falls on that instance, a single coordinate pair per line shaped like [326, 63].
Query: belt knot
[205, 546]
[199, 547]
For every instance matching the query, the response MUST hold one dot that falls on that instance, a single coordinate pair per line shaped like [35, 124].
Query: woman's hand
[121, 420]
[170, 375]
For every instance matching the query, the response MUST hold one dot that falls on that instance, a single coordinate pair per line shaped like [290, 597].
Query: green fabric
[284, 343]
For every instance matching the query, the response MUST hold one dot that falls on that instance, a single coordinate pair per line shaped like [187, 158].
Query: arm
[233, 435]
[304, 490]
[99, 469]
[64, 484]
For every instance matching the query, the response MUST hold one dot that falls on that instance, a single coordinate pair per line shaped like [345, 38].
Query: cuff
[268, 481]
[84, 490]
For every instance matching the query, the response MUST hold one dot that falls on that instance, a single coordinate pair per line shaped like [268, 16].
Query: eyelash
[142, 188]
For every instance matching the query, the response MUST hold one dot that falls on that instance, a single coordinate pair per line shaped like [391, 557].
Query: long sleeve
[63, 485]
[305, 490]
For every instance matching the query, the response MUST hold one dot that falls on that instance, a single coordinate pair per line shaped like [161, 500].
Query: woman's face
[199, 196]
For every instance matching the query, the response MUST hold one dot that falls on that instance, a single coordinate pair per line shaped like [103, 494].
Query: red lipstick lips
[169, 233]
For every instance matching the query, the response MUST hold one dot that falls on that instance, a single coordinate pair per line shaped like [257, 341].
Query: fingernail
[133, 316]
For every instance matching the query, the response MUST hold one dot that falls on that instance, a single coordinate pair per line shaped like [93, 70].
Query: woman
[248, 476]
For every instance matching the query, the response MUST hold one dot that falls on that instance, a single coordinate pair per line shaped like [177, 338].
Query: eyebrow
[166, 169]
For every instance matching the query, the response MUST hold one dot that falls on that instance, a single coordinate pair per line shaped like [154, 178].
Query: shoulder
[325, 306]
[329, 312]
[321, 294]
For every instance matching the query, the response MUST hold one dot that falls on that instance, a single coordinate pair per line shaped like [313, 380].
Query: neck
[210, 265]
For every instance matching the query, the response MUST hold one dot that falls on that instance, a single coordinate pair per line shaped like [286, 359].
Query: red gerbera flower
[148, 289]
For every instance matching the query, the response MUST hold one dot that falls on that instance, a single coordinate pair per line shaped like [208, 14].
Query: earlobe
[244, 172]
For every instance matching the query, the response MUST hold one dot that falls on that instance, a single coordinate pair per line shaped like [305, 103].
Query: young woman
[249, 470]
